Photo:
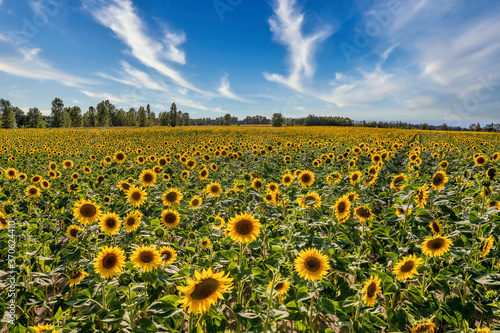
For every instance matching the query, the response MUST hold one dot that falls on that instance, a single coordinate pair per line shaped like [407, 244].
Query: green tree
[33, 118]
[278, 120]
[20, 117]
[103, 115]
[227, 120]
[173, 115]
[75, 115]
[57, 113]
[8, 115]
[131, 117]
[142, 120]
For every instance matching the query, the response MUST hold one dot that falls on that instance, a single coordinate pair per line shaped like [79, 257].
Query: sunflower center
[88, 210]
[148, 178]
[33, 191]
[272, 188]
[170, 218]
[171, 197]
[306, 178]
[214, 189]
[355, 176]
[398, 180]
[109, 261]
[195, 202]
[203, 173]
[75, 275]
[365, 213]
[370, 291]
[110, 223]
[146, 256]
[438, 179]
[136, 196]
[436, 244]
[480, 160]
[73, 232]
[279, 286]
[36, 179]
[408, 266]
[244, 227]
[205, 289]
[3, 221]
[120, 156]
[125, 186]
[258, 184]
[341, 207]
[287, 179]
[435, 227]
[312, 264]
[131, 221]
[423, 328]
[12, 173]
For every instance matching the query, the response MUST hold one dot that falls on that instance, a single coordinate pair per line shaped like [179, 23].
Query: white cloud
[286, 26]
[134, 77]
[31, 65]
[104, 96]
[120, 16]
[225, 90]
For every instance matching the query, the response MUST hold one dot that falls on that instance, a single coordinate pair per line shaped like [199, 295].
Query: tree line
[105, 114]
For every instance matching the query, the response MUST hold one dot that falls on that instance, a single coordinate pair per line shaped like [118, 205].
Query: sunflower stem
[311, 323]
[190, 322]
[424, 277]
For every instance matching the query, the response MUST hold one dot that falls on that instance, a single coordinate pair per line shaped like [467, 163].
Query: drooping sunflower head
[363, 213]
[244, 228]
[132, 221]
[110, 223]
[427, 327]
[204, 291]
[352, 196]
[218, 222]
[407, 268]
[436, 246]
[109, 261]
[438, 180]
[306, 178]
[310, 200]
[4, 223]
[371, 290]
[147, 178]
[436, 227]
[146, 257]
[172, 197]
[399, 182]
[170, 218]
[44, 328]
[488, 244]
[342, 208]
[491, 173]
[311, 265]
[214, 189]
[76, 276]
[422, 196]
[280, 287]
[168, 255]
[72, 231]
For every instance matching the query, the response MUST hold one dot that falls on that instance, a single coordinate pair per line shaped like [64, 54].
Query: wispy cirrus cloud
[225, 91]
[121, 17]
[287, 27]
[134, 77]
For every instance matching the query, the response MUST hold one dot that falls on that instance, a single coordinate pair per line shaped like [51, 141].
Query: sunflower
[204, 173]
[427, 327]
[44, 328]
[11, 173]
[168, 255]
[436, 246]
[124, 186]
[371, 290]
[257, 184]
[281, 287]
[72, 231]
[398, 182]
[132, 221]
[342, 208]
[170, 218]
[407, 268]
[52, 166]
[480, 160]
[76, 276]
[370, 180]
[213, 167]
[22, 177]
[436, 227]
[244, 228]
[86, 212]
[32, 192]
[36, 179]
[205, 242]
[438, 180]
[269, 198]
[488, 244]
[166, 177]
[306, 178]
[311, 265]
[147, 178]
[67, 164]
[214, 189]
[491, 173]
[352, 196]
[4, 223]
[110, 223]
[196, 202]
[172, 197]
[272, 187]
[146, 257]
[422, 196]
[109, 261]
[45, 184]
[204, 291]
[355, 177]
[310, 200]
[184, 174]
[363, 213]
[402, 212]
[218, 222]
[483, 330]
[136, 195]
[119, 157]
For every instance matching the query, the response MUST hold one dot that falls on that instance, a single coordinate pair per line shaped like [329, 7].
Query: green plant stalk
[269, 303]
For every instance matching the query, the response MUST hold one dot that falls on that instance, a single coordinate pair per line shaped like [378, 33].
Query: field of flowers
[249, 230]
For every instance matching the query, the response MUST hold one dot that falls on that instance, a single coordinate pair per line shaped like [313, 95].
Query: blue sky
[417, 61]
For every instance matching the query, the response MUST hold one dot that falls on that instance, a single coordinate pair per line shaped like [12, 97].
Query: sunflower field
[318, 229]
